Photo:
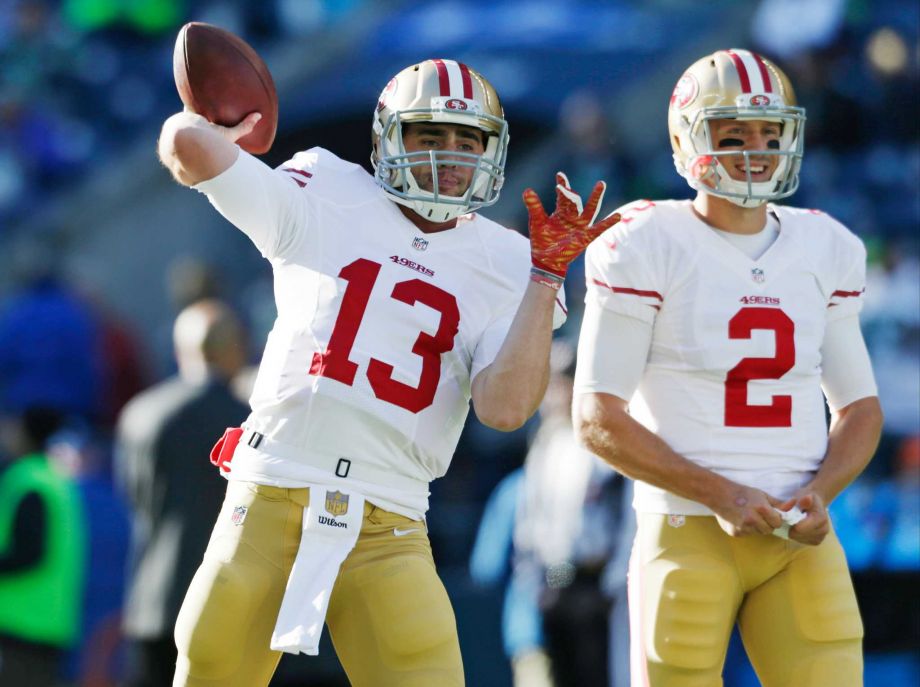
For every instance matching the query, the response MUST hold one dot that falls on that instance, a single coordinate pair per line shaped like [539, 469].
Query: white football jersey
[733, 377]
[379, 332]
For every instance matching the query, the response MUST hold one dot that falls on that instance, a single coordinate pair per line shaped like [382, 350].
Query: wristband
[553, 281]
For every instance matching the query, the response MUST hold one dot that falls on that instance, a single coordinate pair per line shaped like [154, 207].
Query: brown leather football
[219, 76]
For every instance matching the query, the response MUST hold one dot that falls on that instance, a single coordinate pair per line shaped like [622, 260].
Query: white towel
[790, 518]
[331, 524]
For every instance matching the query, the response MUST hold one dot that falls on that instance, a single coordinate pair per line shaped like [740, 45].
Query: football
[219, 76]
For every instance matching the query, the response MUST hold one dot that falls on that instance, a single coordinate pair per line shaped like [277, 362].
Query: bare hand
[816, 525]
[244, 128]
[748, 511]
[231, 133]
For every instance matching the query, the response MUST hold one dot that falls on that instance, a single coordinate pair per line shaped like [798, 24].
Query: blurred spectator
[496, 561]
[164, 438]
[42, 555]
[570, 521]
[96, 660]
[892, 325]
[50, 346]
[898, 500]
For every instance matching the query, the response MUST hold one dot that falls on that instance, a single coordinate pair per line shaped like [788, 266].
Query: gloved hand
[556, 240]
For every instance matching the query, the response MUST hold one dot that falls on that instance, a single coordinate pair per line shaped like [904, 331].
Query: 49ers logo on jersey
[759, 300]
[412, 265]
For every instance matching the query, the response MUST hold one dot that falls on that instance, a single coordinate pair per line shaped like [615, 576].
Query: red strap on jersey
[222, 453]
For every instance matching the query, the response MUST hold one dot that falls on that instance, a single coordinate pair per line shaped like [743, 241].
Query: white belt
[337, 467]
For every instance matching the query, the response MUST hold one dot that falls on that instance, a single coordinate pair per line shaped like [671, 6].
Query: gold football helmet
[441, 91]
[735, 84]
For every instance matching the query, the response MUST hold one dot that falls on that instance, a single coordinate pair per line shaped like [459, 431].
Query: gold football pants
[689, 582]
[389, 616]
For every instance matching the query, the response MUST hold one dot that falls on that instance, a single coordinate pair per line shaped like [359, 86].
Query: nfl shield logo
[676, 520]
[419, 243]
[239, 514]
[336, 503]
[757, 275]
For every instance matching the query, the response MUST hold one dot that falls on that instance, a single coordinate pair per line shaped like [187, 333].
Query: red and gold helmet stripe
[752, 71]
[454, 79]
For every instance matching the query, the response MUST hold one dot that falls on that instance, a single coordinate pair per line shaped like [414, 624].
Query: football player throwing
[397, 305]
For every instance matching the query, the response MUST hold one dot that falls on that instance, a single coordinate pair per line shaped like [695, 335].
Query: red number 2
[334, 363]
[738, 412]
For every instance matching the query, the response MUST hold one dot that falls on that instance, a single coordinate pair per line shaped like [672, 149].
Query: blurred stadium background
[85, 85]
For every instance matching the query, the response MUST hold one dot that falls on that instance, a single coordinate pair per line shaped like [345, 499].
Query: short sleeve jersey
[733, 377]
[380, 328]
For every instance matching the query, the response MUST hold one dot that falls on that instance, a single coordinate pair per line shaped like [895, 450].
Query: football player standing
[397, 304]
[712, 327]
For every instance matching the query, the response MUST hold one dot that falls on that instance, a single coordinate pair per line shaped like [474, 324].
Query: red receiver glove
[556, 240]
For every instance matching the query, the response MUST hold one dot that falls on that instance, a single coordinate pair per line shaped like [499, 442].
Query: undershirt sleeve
[613, 349]
[846, 374]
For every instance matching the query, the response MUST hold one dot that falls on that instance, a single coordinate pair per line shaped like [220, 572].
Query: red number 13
[335, 364]
[738, 412]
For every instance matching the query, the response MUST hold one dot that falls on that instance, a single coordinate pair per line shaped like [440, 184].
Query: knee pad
[689, 612]
[824, 599]
[415, 619]
[840, 668]
[216, 614]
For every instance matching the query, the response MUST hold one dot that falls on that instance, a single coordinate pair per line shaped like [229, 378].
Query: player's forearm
[854, 436]
[508, 392]
[606, 429]
[193, 149]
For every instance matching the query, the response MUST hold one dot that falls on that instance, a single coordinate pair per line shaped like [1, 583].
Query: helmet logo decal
[454, 79]
[685, 91]
[760, 100]
[455, 104]
[388, 90]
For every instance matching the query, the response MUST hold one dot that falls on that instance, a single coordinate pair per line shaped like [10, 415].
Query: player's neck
[426, 226]
[723, 214]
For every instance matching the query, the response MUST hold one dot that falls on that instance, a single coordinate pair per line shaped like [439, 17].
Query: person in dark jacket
[164, 437]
